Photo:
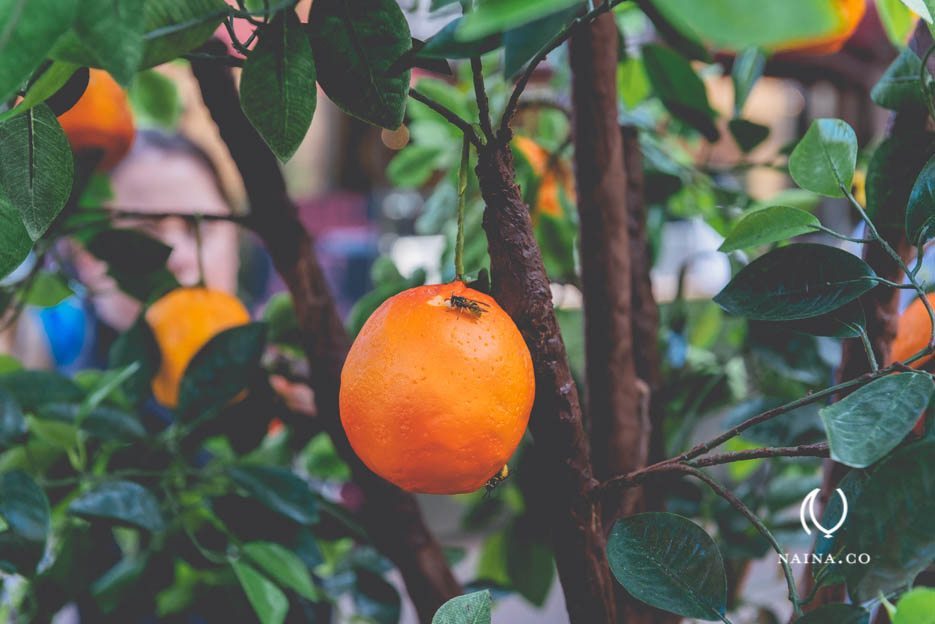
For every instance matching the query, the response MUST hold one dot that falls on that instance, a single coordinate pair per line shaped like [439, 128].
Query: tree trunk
[392, 517]
[521, 286]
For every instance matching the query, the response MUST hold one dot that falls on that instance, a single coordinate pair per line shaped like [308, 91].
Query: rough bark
[392, 517]
[521, 286]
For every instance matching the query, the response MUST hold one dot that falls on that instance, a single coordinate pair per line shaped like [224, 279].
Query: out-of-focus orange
[182, 322]
[553, 177]
[913, 333]
[101, 120]
[437, 389]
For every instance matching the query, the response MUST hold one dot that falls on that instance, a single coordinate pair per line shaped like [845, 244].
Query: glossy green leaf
[920, 213]
[747, 69]
[37, 167]
[109, 423]
[12, 422]
[891, 174]
[56, 75]
[468, 609]
[15, 243]
[282, 566]
[848, 321]
[174, 27]
[899, 87]
[155, 100]
[669, 562]
[497, 16]
[916, 607]
[30, 29]
[892, 522]
[279, 490]
[136, 345]
[802, 280]
[221, 369]
[680, 89]
[523, 43]
[834, 548]
[106, 34]
[412, 166]
[277, 87]
[445, 45]
[25, 511]
[267, 600]
[47, 290]
[375, 599]
[825, 158]
[355, 46]
[769, 225]
[871, 421]
[123, 502]
[747, 134]
[35, 388]
[836, 614]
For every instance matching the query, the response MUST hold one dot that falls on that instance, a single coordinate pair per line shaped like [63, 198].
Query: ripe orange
[849, 13]
[552, 176]
[913, 333]
[435, 397]
[101, 120]
[183, 321]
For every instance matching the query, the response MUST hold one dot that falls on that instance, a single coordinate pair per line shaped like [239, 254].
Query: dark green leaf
[444, 45]
[122, 502]
[34, 388]
[497, 16]
[282, 566]
[747, 134]
[37, 167]
[680, 89]
[375, 599]
[871, 421]
[118, 583]
[468, 609]
[799, 281]
[521, 44]
[30, 29]
[279, 490]
[834, 548]
[836, 614]
[155, 99]
[47, 84]
[824, 160]
[747, 69]
[141, 274]
[277, 87]
[669, 562]
[355, 45]
[108, 423]
[221, 369]
[15, 242]
[136, 345]
[899, 87]
[47, 290]
[920, 213]
[12, 422]
[893, 169]
[106, 34]
[769, 225]
[892, 522]
[530, 565]
[268, 601]
[848, 321]
[173, 27]
[25, 510]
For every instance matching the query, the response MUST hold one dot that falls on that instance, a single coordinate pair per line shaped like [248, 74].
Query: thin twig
[819, 449]
[448, 114]
[480, 94]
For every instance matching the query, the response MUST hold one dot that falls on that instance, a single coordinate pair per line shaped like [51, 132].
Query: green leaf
[279, 490]
[916, 607]
[747, 69]
[355, 44]
[747, 134]
[769, 225]
[221, 369]
[836, 614]
[12, 422]
[47, 290]
[268, 601]
[530, 565]
[282, 566]
[30, 29]
[412, 166]
[108, 423]
[823, 571]
[25, 511]
[802, 280]
[375, 599]
[670, 563]
[899, 87]
[825, 158]
[106, 34]
[142, 274]
[897, 19]
[680, 89]
[891, 174]
[848, 321]
[892, 522]
[871, 421]
[136, 345]
[920, 213]
[445, 45]
[497, 16]
[15, 243]
[632, 82]
[35, 388]
[468, 609]
[123, 502]
[174, 27]
[155, 100]
[43, 87]
[923, 8]
[37, 167]
[277, 87]
[523, 43]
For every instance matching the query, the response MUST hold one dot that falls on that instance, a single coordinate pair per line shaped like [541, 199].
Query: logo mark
[809, 502]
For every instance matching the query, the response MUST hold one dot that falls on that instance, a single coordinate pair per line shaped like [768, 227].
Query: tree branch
[480, 94]
[448, 114]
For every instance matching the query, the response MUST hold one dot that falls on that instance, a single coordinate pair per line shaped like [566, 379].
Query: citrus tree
[208, 513]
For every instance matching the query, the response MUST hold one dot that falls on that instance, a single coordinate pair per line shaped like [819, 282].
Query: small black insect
[463, 303]
[496, 480]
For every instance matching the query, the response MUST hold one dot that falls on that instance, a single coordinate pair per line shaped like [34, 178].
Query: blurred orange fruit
[913, 333]
[437, 389]
[182, 322]
[101, 120]
[849, 13]
[553, 177]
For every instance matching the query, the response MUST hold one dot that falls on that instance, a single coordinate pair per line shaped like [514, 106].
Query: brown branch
[480, 94]
[392, 517]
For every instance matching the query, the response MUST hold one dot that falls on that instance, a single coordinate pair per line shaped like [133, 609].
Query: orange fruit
[101, 120]
[849, 13]
[435, 397]
[551, 178]
[913, 333]
[182, 322]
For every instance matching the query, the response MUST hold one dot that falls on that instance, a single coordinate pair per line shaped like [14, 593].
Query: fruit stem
[199, 251]
[462, 197]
